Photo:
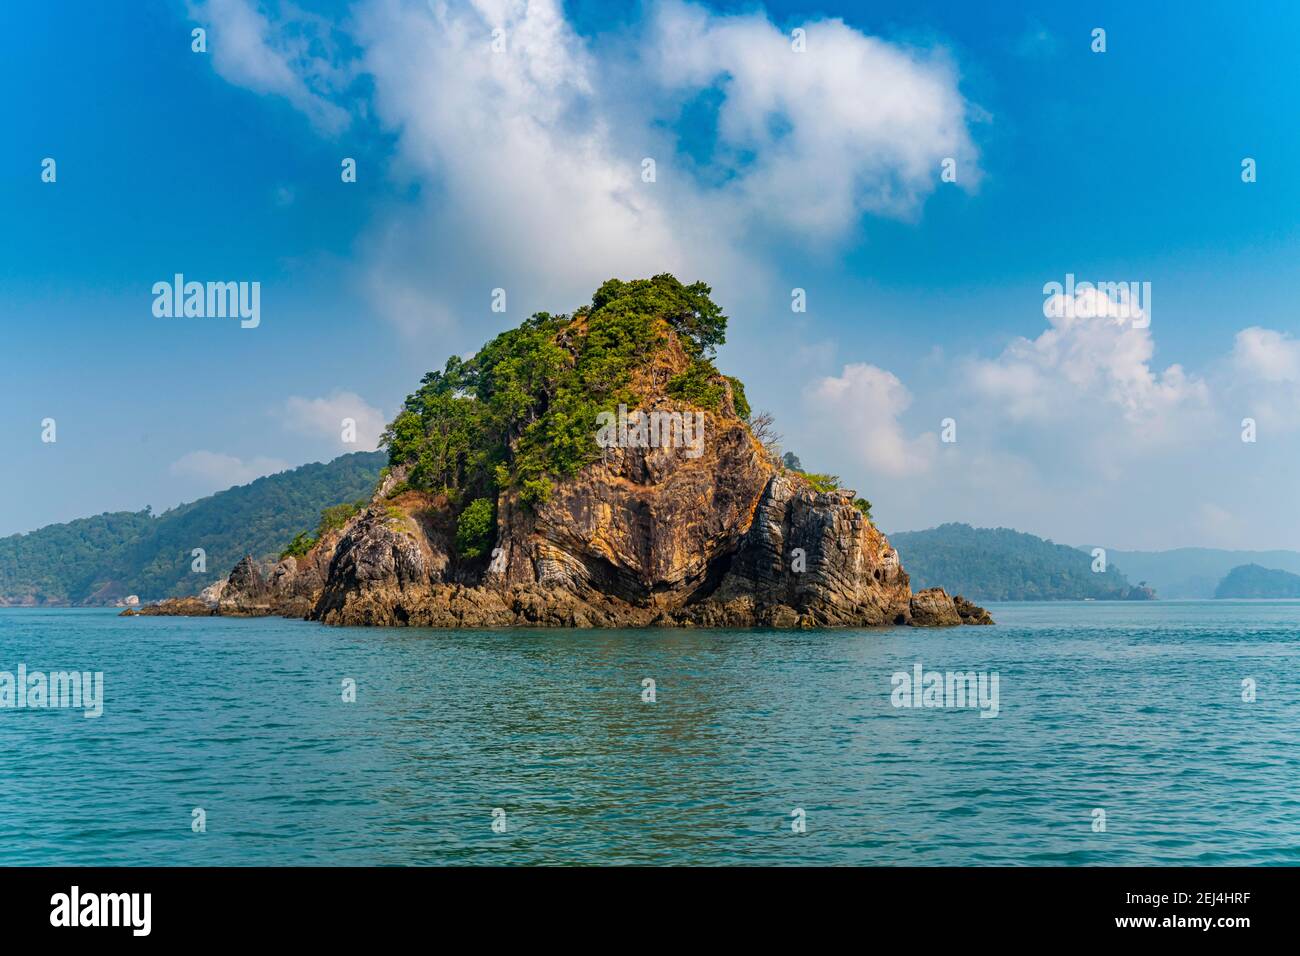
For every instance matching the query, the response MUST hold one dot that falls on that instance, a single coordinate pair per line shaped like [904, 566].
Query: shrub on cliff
[738, 398]
[302, 543]
[687, 309]
[331, 519]
[700, 385]
[475, 528]
[823, 484]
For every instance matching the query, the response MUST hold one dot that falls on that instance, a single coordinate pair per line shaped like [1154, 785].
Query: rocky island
[522, 492]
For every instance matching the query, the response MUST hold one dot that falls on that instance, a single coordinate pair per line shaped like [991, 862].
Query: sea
[1089, 733]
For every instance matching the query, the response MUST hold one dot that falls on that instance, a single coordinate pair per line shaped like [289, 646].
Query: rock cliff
[643, 538]
[681, 516]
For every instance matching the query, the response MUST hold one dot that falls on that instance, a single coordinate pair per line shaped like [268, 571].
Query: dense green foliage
[701, 385]
[475, 528]
[521, 413]
[302, 542]
[1254, 581]
[822, 483]
[331, 519]
[998, 564]
[687, 309]
[738, 399]
[106, 557]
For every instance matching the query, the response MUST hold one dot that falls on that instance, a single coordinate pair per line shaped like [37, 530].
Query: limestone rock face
[211, 595]
[645, 525]
[971, 613]
[810, 559]
[934, 608]
[386, 562]
[247, 592]
[644, 537]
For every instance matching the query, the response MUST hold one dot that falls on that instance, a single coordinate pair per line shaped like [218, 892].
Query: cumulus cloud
[812, 140]
[214, 471]
[324, 418]
[1216, 526]
[1095, 357]
[1075, 433]
[1264, 378]
[529, 155]
[290, 58]
[1266, 355]
[528, 189]
[861, 406]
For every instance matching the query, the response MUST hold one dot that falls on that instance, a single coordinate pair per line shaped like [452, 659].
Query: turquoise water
[1134, 708]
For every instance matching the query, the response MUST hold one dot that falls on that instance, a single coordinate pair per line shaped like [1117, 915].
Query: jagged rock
[934, 608]
[971, 613]
[211, 595]
[850, 575]
[173, 607]
[247, 592]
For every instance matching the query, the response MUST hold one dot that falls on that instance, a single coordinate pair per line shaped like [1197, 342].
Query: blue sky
[775, 171]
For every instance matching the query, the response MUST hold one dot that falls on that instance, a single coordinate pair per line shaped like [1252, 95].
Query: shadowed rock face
[808, 559]
[934, 608]
[971, 613]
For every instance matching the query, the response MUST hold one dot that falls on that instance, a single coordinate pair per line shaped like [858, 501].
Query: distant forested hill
[1253, 581]
[998, 564]
[102, 559]
[1196, 572]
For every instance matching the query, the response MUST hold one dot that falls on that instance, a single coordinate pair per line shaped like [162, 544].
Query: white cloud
[1264, 378]
[861, 407]
[1266, 355]
[1216, 526]
[813, 140]
[214, 471]
[289, 58]
[529, 159]
[1076, 434]
[323, 418]
[529, 189]
[1095, 358]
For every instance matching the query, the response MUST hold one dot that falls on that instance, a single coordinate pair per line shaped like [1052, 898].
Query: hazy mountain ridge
[1253, 581]
[999, 564]
[1196, 572]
